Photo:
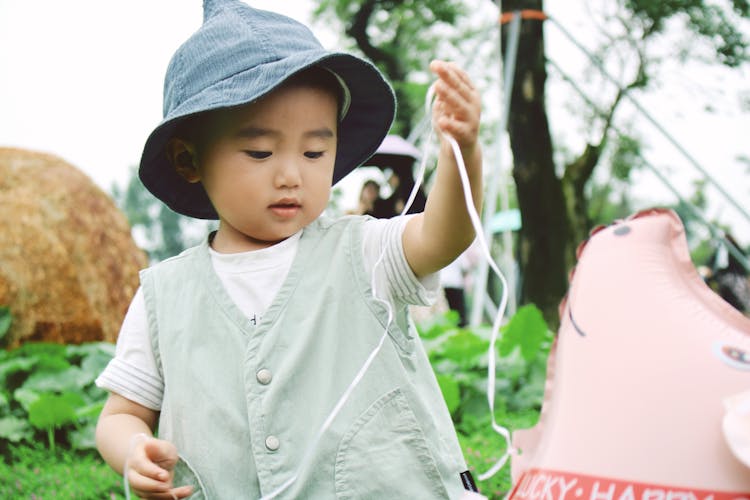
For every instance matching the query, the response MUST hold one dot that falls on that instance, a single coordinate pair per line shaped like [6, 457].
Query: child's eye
[258, 155]
[313, 154]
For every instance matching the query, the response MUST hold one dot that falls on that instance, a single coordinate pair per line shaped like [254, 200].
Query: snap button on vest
[272, 443]
[264, 376]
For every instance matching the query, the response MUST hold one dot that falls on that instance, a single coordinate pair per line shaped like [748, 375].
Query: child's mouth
[285, 209]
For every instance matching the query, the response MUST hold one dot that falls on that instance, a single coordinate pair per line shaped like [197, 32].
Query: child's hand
[457, 107]
[150, 470]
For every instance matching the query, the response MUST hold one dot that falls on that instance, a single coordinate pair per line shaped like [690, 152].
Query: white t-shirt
[252, 280]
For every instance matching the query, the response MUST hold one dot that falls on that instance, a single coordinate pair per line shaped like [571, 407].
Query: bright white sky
[83, 80]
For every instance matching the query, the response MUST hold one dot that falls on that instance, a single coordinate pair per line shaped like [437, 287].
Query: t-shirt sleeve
[383, 250]
[133, 373]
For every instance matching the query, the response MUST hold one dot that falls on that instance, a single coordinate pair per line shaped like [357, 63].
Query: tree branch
[358, 31]
[579, 171]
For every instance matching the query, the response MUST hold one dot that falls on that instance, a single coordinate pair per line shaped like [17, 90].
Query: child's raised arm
[150, 460]
[436, 237]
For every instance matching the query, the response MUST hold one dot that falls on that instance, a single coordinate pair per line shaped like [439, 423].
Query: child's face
[269, 166]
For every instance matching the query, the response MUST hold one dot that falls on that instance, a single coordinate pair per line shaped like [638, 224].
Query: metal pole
[508, 69]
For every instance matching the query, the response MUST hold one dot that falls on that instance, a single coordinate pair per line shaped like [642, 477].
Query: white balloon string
[491, 368]
[134, 439]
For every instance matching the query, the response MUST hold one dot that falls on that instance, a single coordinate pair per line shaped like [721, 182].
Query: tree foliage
[716, 23]
[382, 29]
[628, 32]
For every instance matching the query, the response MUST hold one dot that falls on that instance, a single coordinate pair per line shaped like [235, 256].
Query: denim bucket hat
[239, 55]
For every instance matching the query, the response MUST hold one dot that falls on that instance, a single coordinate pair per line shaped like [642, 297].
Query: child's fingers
[457, 106]
[456, 117]
[147, 469]
[173, 494]
[460, 80]
[451, 67]
[143, 463]
[457, 129]
[169, 495]
[455, 90]
[464, 76]
[150, 472]
[454, 77]
[147, 487]
[161, 452]
[181, 492]
[451, 101]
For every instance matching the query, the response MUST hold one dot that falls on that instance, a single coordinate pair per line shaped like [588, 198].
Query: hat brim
[361, 131]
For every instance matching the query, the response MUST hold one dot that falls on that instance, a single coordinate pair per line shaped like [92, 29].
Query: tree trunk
[545, 252]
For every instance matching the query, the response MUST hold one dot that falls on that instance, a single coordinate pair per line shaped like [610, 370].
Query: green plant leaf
[14, 365]
[530, 393]
[106, 349]
[83, 438]
[526, 330]
[451, 393]
[50, 362]
[6, 319]
[94, 363]
[52, 410]
[91, 411]
[438, 325]
[15, 429]
[25, 397]
[71, 379]
[40, 348]
[464, 348]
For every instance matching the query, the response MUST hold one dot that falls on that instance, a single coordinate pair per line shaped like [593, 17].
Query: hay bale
[68, 264]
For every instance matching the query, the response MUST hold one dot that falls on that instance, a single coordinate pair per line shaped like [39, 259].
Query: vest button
[264, 376]
[272, 443]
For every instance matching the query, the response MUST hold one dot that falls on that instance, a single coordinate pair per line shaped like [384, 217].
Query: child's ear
[183, 157]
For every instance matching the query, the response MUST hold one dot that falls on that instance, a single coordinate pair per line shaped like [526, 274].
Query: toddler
[238, 350]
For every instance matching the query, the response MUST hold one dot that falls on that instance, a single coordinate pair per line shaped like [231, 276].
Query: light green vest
[242, 403]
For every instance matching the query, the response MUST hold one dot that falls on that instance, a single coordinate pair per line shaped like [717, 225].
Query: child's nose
[288, 174]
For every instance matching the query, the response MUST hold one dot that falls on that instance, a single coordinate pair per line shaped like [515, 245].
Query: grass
[34, 472]
[482, 447]
[36, 374]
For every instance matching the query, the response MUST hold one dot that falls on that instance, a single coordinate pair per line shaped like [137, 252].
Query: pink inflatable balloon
[648, 384]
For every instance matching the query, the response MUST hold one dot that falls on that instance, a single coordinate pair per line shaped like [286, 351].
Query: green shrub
[459, 358]
[47, 392]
